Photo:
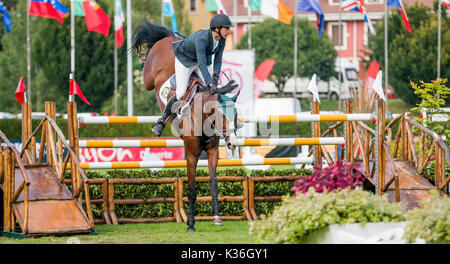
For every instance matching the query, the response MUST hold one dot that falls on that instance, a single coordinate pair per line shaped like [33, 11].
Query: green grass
[232, 232]
[397, 106]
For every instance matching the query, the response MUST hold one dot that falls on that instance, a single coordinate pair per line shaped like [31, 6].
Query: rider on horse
[194, 53]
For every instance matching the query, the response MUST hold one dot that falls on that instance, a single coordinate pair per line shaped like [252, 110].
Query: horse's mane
[149, 33]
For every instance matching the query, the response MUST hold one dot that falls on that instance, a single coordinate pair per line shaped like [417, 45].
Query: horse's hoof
[190, 229]
[217, 221]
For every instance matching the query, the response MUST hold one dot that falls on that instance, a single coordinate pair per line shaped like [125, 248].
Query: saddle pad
[164, 91]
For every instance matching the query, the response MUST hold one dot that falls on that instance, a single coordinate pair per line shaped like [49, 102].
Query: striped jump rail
[201, 163]
[244, 118]
[160, 143]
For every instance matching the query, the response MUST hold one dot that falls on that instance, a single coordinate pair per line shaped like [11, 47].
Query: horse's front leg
[213, 156]
[192, 154]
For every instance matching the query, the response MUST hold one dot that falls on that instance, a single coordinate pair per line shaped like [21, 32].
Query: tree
[50, 57]
[274, 40]
[412, 57]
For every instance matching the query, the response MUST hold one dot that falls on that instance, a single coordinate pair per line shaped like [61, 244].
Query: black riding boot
[161, 123]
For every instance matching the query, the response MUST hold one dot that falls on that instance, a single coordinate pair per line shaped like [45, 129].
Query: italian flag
[118, 23]
[215, 5]
[273, 8]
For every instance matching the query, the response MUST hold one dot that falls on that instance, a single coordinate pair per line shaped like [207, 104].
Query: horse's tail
[148, 33]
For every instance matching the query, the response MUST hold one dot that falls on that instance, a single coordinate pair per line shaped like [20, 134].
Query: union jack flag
[358, 6]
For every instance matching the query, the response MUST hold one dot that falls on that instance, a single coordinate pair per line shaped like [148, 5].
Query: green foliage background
[94, 59]
[413, 57]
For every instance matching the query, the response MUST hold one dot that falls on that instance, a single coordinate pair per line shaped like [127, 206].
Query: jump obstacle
[360, 140]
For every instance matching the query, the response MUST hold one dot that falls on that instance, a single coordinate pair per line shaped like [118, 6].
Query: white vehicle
[333, 89]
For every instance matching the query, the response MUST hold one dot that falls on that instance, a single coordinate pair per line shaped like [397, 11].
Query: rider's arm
[202, 62]
[218, 58]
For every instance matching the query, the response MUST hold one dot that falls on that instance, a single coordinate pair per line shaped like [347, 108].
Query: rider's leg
[182, 76]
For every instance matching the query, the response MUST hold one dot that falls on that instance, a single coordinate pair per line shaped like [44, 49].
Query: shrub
[339, 175]
[299, 217]
[432, 222]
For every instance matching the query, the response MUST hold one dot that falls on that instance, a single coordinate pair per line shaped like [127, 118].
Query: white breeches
[182, 76]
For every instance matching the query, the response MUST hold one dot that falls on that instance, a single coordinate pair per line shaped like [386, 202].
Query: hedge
[122, 191]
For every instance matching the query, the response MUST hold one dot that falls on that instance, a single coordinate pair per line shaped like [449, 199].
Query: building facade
[346, 29]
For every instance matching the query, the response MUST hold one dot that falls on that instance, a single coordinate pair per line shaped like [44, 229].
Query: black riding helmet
[218, 21]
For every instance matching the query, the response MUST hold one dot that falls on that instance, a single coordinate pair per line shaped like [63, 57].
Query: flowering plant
[339, 175]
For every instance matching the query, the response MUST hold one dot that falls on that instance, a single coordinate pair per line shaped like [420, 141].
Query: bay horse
[202, 124]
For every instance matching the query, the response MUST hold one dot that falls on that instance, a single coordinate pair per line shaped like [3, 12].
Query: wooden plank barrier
[148, 181]
[247, 198]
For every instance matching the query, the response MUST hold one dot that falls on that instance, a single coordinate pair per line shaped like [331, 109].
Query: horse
[202, 119]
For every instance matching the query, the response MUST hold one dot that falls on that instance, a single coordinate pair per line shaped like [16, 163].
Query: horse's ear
[234, 98]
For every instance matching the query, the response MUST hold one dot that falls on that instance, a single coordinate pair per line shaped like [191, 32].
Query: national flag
[78, 8]
[75, 89]
[118, 23]
[398, 3]
[20, 91]
[215, 5]
[277, 9]
[6, 18]
[358, 6]
[49, 8]
[371, 74]
[446, 2]
[95, 17]
[261, 74]
[313, 6]
[169, 11]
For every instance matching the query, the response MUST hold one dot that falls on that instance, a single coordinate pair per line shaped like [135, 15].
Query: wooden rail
[8, 159]
[247, 198]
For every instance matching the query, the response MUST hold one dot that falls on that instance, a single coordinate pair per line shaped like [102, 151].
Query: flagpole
[235, 18]
[295, 50]
[129, 62]
[72, 44]
[386, 52]
[162, 13]
[439, 42]
[28, 97]
[115, 65]
[339, 53]
[249, 14]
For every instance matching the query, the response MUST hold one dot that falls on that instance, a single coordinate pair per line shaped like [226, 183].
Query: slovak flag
[118, 22]
[358, 6]
[398, 3]
[49, 8]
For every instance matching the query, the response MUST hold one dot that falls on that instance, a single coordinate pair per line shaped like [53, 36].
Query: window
[335, 31]
[334, 2]
[352, 74]
[374, 2]
[193, 6]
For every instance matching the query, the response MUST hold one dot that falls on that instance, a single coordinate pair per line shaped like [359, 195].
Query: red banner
[129, 154]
